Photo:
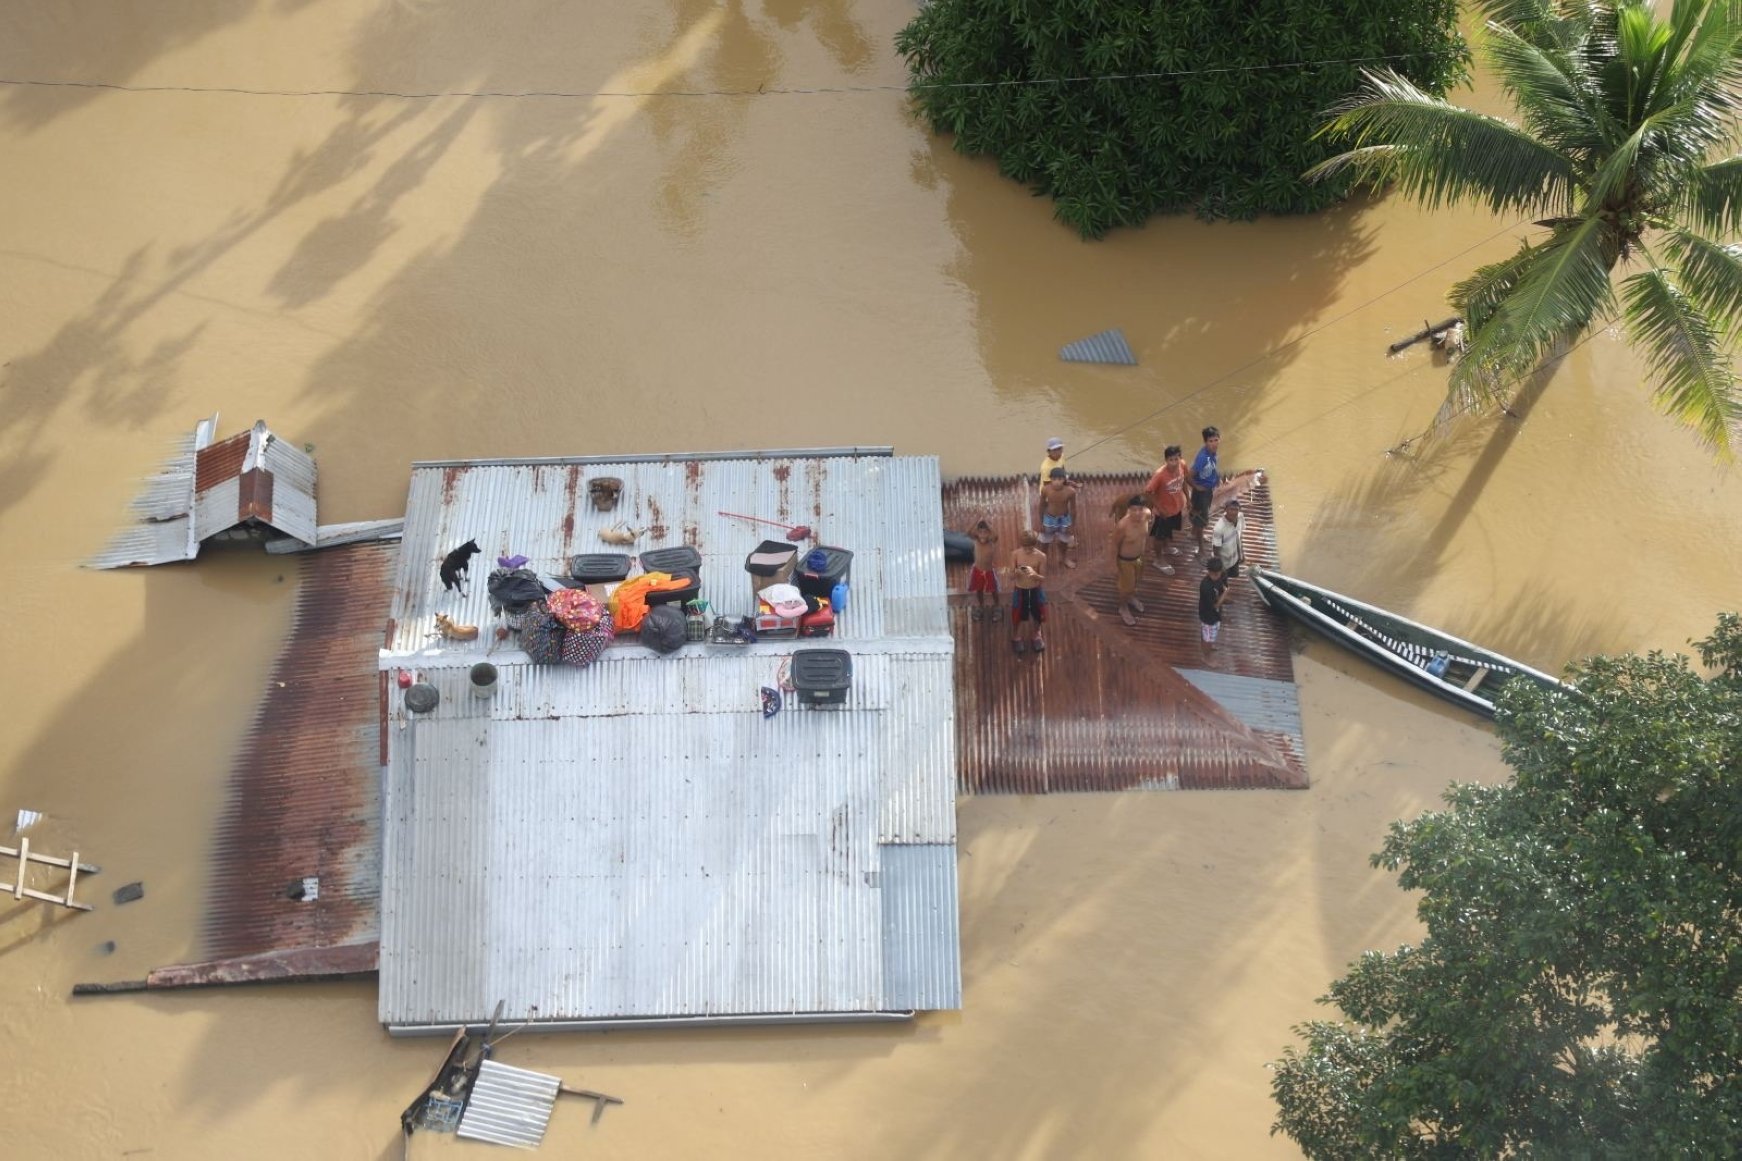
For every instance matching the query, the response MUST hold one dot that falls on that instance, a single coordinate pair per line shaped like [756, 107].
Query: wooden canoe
[1464, 674]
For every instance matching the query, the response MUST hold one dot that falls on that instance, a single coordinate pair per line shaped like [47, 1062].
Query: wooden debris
[599, 1099]
[1428, 331]
[72, 866]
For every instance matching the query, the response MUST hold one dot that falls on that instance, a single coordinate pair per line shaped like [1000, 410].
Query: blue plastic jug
[838, 598]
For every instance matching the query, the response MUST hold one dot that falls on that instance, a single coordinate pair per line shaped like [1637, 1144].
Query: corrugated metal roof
[922, 929]
[634, 839]
[1106, 347]
[1106, 707]
[163, 532]
[509, 1106]
[304, 797]
[883, 508]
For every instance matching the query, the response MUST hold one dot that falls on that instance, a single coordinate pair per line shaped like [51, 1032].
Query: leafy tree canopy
[1623, 150]
[1579, 989]
[1227, 131]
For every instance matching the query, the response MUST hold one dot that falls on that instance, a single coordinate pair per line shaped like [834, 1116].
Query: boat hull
[1379, 635]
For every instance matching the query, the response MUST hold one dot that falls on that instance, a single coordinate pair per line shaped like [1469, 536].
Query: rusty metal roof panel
[1107, 707]
[922, 969]
[304, 790]
[634, 838]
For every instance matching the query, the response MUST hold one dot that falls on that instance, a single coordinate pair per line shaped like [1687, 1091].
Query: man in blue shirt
[1205, 475]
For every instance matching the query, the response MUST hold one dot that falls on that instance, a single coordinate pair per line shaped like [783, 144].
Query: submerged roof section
[252, 479]
[633, 842]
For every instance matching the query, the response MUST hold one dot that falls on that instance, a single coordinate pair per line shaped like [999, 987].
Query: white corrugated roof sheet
[634, 840]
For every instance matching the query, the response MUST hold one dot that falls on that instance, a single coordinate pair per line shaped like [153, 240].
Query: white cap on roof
[1054, 443]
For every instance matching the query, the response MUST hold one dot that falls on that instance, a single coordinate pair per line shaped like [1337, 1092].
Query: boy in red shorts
[983, 578]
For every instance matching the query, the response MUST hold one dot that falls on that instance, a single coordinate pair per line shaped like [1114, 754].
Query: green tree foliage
[1579, 989]
[1228, 131]
[1622, 152]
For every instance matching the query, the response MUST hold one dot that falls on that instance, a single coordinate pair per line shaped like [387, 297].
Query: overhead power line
[759, 91]
[1296, 341]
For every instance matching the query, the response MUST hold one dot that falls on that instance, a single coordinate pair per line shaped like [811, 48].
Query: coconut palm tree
[1621, 152]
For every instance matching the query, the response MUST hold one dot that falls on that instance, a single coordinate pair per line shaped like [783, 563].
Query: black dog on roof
[457, 565]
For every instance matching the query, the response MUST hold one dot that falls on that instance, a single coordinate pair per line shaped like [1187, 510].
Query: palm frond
[1712, 196]
[1711, 272]
[1549, 85]
[1695, 379]
[1440, 154]
[1558, 288]
[1477, 297]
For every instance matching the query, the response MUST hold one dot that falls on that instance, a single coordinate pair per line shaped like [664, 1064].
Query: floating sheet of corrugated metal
[1106, 708]
[1106, 347]
[509, 1106]
[304, 795]
[164, 529]
[634, 840]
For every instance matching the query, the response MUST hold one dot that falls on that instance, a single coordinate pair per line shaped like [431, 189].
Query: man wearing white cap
[1055, 458]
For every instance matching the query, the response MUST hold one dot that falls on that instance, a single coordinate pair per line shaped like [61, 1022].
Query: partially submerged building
[634, 843]
[252, 485]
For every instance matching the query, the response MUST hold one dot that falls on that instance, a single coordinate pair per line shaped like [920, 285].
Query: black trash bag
[514, 590]
[663, 629]
[958, 547]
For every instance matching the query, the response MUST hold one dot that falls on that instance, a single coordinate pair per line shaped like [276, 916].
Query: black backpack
[663, 629]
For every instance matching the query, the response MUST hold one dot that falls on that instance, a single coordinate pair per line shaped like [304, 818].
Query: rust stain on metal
[309, 963]
[303, 791]
[381, 716]
[450, 481]
[783, 478]
[572, 499]
[1105, 708]
[221, 461]
[656, 528]
[254, 496]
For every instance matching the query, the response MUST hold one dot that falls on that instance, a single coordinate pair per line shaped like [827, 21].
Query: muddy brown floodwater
[391, 278]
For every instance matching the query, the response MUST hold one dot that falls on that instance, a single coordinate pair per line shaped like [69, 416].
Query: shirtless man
[1027, 597]
[1130, 537]
[1058, 509]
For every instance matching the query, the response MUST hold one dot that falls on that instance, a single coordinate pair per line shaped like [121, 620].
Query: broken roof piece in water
[253, 484]
[1107, 347]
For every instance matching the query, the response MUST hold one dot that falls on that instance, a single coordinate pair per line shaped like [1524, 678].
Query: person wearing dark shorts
[1205, 475]
[1167, 490]
[1027, 597]
[1212, 591]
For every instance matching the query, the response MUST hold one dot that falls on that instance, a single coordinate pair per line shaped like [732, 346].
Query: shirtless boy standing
[983, 577]
[1130, 537]
[1027, 597]
[1058, 509]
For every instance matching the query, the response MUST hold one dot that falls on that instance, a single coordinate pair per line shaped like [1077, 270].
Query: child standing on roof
[1206, 474]
[983, 578]
[1058, 511]
[1212, 591]
[1027, 597]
